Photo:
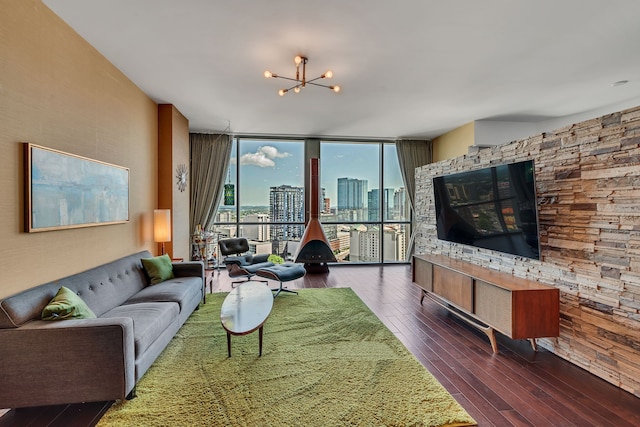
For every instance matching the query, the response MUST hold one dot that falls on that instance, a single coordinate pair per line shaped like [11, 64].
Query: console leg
[229, 344]
[260, 340]
[491, 333]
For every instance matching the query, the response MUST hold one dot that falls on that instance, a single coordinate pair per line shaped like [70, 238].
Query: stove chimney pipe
[315, 251]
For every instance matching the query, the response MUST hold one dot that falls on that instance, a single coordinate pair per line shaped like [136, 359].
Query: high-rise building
[324, 201]
[400, 204]
[387, 204]
[373, 206]
[365, 244]
[374, 201]
[225, 216]
[395, 243]
[259, 248]
[352, 198]
[286, 205]
[259, 230]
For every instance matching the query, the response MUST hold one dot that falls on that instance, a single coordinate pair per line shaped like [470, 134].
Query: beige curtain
[210, 155]
[412, 154]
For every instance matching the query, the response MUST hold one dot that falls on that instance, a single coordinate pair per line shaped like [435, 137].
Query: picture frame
[64, 190]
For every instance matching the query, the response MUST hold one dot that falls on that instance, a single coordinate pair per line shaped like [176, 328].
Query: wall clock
[181, 175]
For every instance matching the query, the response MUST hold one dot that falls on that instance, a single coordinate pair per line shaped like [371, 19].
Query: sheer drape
[412, 154]
[210, 155]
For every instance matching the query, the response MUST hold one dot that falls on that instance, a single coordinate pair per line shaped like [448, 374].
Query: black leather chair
[240, 263]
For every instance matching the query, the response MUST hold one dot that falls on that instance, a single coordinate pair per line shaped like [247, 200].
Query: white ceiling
[407, 68]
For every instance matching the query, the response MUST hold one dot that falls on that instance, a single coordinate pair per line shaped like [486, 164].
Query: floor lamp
[162, 226]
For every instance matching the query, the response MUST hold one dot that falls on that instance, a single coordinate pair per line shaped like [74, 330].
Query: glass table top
[246, 308]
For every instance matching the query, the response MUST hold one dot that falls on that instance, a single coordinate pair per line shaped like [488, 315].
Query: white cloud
[263, 157]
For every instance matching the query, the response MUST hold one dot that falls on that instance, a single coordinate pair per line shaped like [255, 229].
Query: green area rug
[327, 361]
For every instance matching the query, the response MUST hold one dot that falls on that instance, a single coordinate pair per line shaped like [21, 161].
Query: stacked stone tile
[588, 185]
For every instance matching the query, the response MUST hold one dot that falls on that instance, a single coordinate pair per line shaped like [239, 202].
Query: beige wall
[59, 92]
[454, 143]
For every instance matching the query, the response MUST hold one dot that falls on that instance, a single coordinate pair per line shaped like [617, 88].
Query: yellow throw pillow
[67, 305]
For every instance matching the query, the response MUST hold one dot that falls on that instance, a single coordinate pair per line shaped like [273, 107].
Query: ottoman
[282, 273]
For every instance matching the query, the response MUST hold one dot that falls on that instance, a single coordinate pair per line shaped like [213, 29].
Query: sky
[266, 163]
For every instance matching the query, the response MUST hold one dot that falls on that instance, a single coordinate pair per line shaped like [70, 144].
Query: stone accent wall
[588, 185]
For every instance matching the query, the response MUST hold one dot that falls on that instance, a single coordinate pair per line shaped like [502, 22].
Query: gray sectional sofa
[85, 360]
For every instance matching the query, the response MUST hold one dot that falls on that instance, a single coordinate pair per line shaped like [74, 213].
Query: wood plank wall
[588, 185]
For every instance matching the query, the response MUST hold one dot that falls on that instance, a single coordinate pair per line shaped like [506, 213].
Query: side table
[209, 273]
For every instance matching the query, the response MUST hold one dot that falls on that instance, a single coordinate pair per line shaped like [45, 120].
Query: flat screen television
[492, 208]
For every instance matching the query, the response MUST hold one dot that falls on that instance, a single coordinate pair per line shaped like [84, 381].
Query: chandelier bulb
[297, 60]
[328, 74]
[268, 74]
[336, 89]
[281, 92]
[296, 89]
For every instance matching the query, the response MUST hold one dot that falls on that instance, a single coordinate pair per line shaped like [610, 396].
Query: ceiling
[407, 68]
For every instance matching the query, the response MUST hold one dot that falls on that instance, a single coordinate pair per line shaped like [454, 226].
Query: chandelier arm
[293, 87]
[318, 84]
[286, 78]
[313, 80]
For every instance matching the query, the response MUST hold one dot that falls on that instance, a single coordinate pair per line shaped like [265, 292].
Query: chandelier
[301, 83]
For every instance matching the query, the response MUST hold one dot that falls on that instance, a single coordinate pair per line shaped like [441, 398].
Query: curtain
[210, 156]
[412, 154]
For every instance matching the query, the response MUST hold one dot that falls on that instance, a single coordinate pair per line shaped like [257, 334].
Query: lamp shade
[162, 225]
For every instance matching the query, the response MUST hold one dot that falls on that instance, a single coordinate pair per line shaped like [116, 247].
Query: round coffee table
[246, 309]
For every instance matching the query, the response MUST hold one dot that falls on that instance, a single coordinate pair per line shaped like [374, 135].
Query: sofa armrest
[188, 269]
[56, 362]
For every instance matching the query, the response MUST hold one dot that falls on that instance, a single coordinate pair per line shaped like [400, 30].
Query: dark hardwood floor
[517, 387]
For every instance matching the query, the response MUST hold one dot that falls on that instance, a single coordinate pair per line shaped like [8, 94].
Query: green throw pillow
[67, 305]
[158, 268]
[276, 259]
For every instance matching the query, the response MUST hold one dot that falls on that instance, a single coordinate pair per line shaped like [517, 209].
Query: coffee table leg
[229, 344]
[260, 339]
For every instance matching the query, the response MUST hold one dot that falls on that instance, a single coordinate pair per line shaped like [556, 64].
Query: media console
[489, 300]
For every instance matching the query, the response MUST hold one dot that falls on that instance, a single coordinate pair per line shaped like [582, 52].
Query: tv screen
[492, 208]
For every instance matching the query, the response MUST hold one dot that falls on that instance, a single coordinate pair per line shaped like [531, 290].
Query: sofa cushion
[173, 290]
[150, 319]
[66, 305]
[158, 268]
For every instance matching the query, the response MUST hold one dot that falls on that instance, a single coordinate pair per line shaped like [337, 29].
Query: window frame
[312, 148]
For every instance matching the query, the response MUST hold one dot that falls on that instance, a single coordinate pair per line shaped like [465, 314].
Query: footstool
[282, 273]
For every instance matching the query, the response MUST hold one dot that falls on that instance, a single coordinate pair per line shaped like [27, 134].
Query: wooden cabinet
[489, 300]
[455, 288]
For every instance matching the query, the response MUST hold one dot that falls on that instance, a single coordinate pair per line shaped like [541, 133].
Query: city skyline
[278, 229]
[268, 163]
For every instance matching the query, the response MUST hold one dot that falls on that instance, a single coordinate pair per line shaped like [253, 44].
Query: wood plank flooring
[517, 387]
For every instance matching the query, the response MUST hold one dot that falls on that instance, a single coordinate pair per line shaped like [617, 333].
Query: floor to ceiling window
[267, 178]
[362, 208]
[365, 214]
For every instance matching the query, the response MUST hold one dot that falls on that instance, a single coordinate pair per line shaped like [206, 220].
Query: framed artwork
[68, 191]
